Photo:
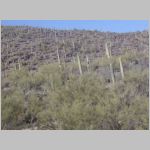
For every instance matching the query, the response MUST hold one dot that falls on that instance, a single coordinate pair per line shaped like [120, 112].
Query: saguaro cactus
[121, 68]
[108, 53]
[110, 49]
[63, 41]
[18, 66]
[79, 64]
[112, 73]
[64, 49]
[58, 57]
[88, 63]
[31, 47]
[73, 45]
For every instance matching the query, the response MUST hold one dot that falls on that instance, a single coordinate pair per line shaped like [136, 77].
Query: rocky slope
[34, 46]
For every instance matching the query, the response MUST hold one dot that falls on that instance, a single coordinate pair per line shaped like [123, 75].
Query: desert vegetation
[74, 79]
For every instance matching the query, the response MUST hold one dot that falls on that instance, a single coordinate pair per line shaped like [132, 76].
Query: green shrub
[54, 98]
[13, 110]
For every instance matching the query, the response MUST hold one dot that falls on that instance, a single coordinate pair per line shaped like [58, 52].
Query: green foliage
[12, 110]
[54, 98]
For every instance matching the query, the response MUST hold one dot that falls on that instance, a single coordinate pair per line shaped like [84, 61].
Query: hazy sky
[102, 25]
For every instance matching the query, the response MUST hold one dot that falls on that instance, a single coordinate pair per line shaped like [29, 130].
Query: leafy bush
[13, 110]
[54, 98]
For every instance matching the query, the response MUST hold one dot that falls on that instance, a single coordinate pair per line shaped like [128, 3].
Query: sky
[120, 26]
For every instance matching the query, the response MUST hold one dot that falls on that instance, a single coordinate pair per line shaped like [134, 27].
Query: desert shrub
[54, 98]
[33, 106]
[135, 116]
[82, 104]
[13, 110]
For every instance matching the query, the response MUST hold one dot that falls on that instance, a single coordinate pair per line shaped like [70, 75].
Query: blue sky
[102, 25]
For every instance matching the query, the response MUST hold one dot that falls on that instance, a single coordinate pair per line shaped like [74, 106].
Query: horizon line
[115, 26]
[72, 29]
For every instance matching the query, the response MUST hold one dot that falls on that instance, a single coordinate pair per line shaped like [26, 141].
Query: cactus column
[121, 68]
[64, 49]
[108, 53]
[73, 45]
[87, 60]
[58, 57]
[79, 64]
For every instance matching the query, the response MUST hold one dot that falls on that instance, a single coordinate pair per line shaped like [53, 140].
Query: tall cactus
[63, 42]
[79, 64]
[110, 49]
[58, 57]
[88, 63]
[121, 68]
[31, 48]
[112, 73]
[73, 45]
[64, 49]
[108, 53]
[18, 66]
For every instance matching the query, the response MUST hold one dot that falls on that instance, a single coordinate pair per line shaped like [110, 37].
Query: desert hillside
[74, 79]
[35, 46]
